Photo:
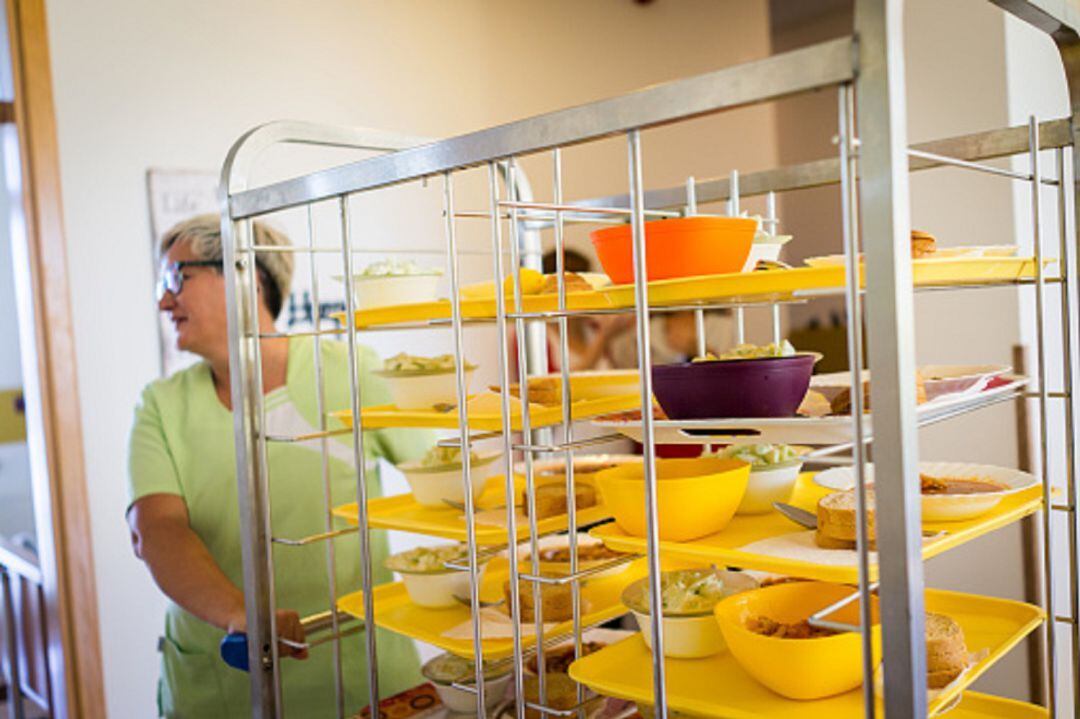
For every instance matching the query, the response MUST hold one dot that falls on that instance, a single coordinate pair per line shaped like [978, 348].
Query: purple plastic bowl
[766, 387]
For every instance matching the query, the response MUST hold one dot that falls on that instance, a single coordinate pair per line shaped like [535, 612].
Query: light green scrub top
[182, 443]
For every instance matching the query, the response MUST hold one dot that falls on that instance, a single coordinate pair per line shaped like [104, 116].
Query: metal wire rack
[871, 169]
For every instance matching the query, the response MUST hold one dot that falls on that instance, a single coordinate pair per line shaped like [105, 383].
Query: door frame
[54, 426]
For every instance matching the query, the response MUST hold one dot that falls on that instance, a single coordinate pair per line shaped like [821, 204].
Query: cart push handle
[234, 646]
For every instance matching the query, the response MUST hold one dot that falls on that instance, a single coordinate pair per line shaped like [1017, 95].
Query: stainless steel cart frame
[872, 169]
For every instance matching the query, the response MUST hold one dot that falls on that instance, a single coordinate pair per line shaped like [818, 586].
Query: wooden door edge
[78, 687]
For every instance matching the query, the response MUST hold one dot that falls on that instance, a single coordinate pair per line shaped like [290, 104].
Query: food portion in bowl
[747, 381]
[794, 665]
[445, 670]
[694, 497]
[419, 382]
[959, 485]
[428, 582]
[687, 598]
[774, 469]
[436, 478]
[801, 629]
[394, 282]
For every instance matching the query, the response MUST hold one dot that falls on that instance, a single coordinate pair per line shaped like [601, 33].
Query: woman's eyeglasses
[171, 277]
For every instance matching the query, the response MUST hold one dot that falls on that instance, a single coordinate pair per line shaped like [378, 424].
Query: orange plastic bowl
[680, 247]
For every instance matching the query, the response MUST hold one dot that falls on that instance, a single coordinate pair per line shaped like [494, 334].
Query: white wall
[172, 84]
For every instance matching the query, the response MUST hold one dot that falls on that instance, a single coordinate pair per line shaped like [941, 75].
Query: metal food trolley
[871, 167]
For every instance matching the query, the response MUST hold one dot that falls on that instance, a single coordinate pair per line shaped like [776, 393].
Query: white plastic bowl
[436, 590]
[424, 391]
[460, 701]
[769, 485]
[387, 290]
[685, 637]
[431, 486]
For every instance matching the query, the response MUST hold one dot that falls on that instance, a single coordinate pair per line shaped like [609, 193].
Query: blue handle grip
[234, 650]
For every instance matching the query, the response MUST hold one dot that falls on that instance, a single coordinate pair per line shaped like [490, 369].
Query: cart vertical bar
[641, 304]
[324, 451]
[884, 207]
[853, 305]
[360, 458]
[1066, 269]
[507, 435]
[1044, 451]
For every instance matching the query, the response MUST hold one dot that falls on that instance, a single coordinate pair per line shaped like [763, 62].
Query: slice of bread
[946, 651]
[836, 521]
[923, 244]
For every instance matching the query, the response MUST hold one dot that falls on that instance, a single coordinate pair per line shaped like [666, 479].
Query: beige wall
[172, 84]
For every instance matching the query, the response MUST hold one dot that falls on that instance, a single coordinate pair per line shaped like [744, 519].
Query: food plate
[404, 513]
[786, 284]
[717, 686]
[485, 413]
[471, 309]
[791, 550]
[945, 507]
[939, 380]
[802, 430]
[394, 611]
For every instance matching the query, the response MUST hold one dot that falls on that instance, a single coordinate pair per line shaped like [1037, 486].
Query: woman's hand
[182, 566]
[289, 629]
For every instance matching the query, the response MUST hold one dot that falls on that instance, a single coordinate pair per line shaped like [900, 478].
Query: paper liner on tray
[495, 623]
[801, 547]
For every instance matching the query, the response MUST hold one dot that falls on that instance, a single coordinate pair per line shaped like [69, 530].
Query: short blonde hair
[203, 234]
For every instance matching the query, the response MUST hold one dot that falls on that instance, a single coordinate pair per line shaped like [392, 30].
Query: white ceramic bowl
[387, 290]
[685, 637]
[436, 590]
[691, 635]
[464, 702]
[430, 486]
[459, 700]
[768, 485]
[945, 507]
[424, 390]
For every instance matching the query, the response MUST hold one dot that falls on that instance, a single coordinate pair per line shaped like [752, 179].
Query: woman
[183, 513]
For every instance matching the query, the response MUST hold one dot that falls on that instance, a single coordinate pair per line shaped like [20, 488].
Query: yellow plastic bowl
[694, 497]
[797, 668]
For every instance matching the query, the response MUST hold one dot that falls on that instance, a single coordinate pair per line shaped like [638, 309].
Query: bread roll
[557, 604]
[551, 499]
[923, 244]
[836, 521]
[946, 651]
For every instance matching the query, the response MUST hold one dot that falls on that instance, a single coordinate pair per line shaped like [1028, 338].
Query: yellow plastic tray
[984, 706]
[787, 284]
[471, 309]
[402, 512]
[721, 548]
[718, 687]
[394, 610]
[387, 415]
